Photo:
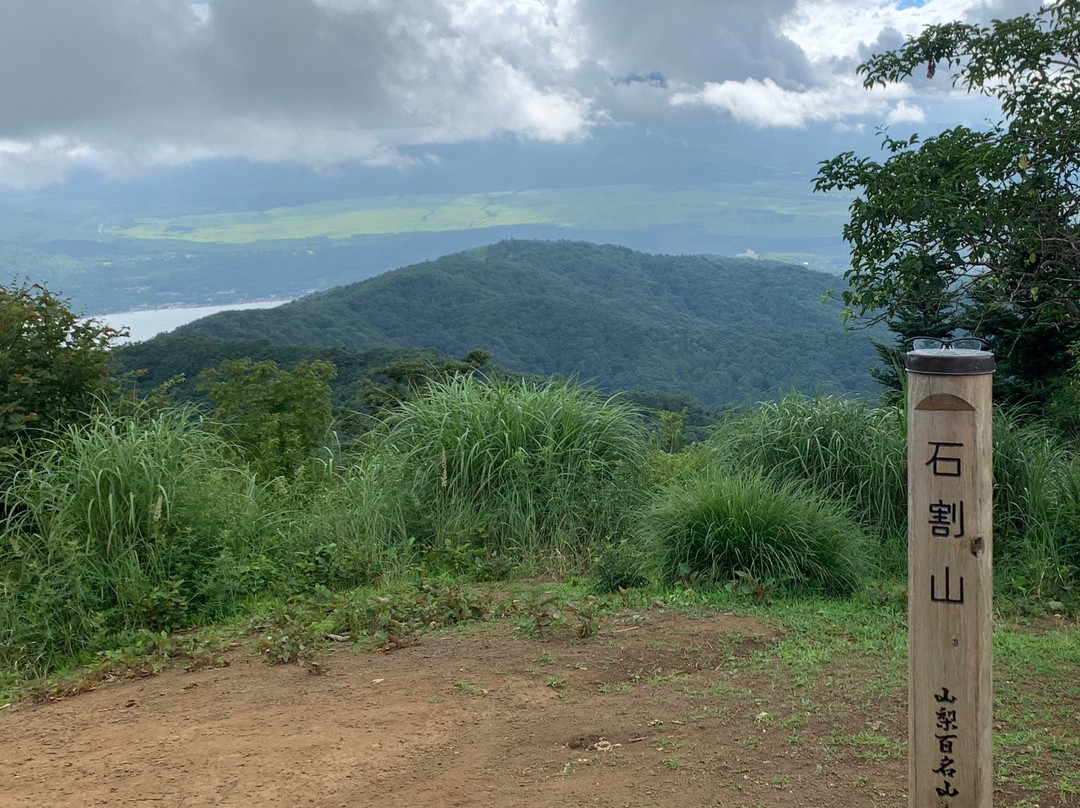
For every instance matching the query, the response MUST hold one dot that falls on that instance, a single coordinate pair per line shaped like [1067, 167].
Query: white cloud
[832, 30]
[764, 103]
[127, 84]
[905, 112]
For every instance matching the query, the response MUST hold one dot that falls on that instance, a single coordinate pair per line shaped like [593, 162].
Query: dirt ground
[673, 711]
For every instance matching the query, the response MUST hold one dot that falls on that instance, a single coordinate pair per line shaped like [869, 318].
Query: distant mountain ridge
[724, 330]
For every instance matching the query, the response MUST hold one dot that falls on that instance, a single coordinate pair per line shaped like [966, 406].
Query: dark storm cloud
[693, 41]
[94, 62]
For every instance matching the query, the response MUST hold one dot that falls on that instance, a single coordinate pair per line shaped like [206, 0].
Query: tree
[279, 418]
[409, 377]
[979, 228]
[53, 365]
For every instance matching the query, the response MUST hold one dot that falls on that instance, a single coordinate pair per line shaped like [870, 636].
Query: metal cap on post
[950, 362]
[950, 581]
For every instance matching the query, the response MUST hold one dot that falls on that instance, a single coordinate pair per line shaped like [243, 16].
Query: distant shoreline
[143, 324]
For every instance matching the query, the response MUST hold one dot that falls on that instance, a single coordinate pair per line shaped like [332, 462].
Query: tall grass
[359, 529]
[719, 525]
[855, 454]
[120, 524]
[1036, 505]
[544, 473]
[848, 451]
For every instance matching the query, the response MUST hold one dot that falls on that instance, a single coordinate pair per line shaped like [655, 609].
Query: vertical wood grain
[950, 589]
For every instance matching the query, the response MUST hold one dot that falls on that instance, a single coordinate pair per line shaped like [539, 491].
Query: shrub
[52, 366]
[855, 454]
[622, 565]
[356, 530]
[718, 526]
[1036, 505]
[278, 418]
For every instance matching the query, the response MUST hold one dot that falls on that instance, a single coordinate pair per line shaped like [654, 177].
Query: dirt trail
[667, 713]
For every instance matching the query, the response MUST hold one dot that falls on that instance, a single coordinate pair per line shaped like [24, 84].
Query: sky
[127, 88]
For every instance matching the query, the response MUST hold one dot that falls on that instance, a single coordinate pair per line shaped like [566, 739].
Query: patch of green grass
[469, 689]
[618, 687]
[1069, 785]
[872, 746]
[123, 525]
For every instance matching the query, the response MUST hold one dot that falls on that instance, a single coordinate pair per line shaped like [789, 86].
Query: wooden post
[950, 581]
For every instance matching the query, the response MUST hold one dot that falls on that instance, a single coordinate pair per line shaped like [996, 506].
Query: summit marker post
[950, 579]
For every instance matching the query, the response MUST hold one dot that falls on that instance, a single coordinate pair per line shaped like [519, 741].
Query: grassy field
[774, 209]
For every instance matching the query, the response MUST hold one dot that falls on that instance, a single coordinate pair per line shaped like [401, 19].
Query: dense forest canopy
[723, 330]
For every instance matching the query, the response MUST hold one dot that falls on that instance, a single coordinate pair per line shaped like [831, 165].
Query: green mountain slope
[723, 330]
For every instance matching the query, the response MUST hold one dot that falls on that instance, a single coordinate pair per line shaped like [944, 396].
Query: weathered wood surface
[950, 587]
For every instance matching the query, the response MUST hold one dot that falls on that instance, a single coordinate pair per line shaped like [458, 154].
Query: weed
[584, 612]
[745, 584]
[871, 746]
[619, 687]
[118, 525]
[622, 565]
[541, 614]
[556, 682]
[293, 636]
[469, 689]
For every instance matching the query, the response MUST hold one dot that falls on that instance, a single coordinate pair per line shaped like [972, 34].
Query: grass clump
[1036, 509]
[856, 455]
[848, 451]
[719, 526]
[120, 525]
[542, 473]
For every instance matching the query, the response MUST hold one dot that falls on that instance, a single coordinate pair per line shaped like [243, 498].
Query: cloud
[765, 103]
[905, 112]
[127, 84]
[850, 30]
[123, 86]
[690, 41]
[833, 37]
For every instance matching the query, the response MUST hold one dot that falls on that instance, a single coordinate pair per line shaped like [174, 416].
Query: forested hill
[721, 329]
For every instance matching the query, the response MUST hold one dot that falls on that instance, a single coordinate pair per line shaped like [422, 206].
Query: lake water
[150, 322]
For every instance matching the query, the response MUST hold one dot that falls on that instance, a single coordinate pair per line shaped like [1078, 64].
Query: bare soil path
[674, 711]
